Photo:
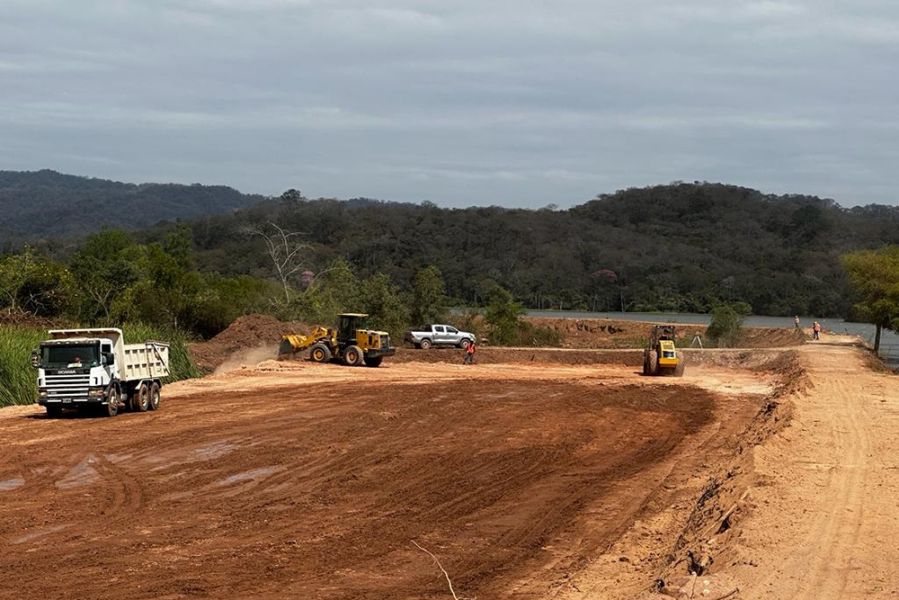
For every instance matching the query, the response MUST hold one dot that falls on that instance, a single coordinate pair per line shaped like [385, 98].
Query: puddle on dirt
[252, 475]
[11, 484]
[38, 533]
[215, 450]
[81, 474]
[175, 496]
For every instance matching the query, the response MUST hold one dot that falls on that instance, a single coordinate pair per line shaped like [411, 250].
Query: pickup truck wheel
[425, 344]
[142, 398]
[155, 397]
[112, 403]
[54, 411]
[352, 356]
[465, 343]
[319, 353]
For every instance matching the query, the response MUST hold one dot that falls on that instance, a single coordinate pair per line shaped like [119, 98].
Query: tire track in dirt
[825, 527]
[290, 493]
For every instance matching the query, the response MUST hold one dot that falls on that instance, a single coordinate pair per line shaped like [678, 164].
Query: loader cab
[347, 325]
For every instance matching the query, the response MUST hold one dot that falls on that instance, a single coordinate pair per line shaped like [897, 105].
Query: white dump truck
[80, 368]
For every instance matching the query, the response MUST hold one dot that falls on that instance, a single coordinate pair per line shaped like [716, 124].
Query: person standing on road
[796, 321]
[816, 331]
[469, 354]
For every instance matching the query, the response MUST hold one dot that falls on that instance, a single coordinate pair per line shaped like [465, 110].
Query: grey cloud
[515, 103]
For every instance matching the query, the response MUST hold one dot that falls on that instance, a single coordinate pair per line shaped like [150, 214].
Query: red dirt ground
[317, 489]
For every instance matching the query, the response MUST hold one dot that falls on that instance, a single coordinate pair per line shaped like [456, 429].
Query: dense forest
[677, 247]
[42, 204]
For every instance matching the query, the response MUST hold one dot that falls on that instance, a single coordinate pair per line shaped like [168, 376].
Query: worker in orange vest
[469, 354]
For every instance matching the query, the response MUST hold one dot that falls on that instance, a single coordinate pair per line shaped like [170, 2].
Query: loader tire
[425, 344]
[352, 356]
[373, 361]
[155, 397]
[319, 353]
[653, 362]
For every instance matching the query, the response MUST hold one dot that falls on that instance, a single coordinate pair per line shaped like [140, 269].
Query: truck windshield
[75, 356]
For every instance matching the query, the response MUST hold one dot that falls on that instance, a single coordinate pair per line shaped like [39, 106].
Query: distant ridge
[42, 204]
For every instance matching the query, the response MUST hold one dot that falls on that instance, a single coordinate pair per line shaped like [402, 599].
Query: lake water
[889, 341]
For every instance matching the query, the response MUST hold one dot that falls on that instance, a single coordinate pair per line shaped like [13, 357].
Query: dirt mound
[497, 355]
[247, 333]
[23, 319]
[609, 333]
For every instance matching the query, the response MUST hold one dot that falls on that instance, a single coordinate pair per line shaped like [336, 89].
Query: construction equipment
[661, 356]
[81, 368]
[349, 343]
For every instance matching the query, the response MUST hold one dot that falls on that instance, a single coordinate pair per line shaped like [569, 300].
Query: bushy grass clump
[18, 383]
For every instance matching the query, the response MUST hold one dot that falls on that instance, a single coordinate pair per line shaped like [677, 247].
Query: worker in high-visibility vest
[469, 354]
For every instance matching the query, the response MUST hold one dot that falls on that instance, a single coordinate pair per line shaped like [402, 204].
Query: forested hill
[678, 247]
[45, 203]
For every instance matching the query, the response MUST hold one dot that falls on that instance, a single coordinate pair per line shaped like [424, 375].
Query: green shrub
[726, 327]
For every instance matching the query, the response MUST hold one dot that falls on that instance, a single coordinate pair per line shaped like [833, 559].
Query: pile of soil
[609, 333]
[246, 333]
[23, 319]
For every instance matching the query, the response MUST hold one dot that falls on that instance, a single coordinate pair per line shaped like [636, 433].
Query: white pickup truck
[438, 335]
[79, 368]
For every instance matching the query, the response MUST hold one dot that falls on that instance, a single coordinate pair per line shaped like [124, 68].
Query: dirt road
[825, 522]
[314, 480]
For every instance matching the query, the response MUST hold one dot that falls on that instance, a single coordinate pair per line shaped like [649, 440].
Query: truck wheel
[319, 353]
[373, 361]
[425, 344]
[465, 343]
[352, 356]
[54, 411]
[155, 397]
[653, 362]
[112, 403]
[646, 362]
[142, 398]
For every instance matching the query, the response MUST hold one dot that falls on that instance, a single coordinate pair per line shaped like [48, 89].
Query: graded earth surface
[532, 474]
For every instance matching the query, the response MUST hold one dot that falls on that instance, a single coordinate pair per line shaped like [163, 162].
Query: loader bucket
[285, 349]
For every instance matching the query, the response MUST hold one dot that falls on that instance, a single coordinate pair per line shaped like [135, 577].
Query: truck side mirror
[110, 358]
[35, 359]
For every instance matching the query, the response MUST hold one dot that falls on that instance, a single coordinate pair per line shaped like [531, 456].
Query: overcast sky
[460, 102]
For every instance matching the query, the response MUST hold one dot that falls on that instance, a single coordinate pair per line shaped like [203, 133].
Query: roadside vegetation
[875, 281]
[726, 326]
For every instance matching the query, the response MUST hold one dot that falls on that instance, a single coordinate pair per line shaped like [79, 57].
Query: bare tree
[287, 252]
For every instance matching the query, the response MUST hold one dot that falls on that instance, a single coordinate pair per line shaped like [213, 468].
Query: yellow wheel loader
[349, 343]
[661, 357]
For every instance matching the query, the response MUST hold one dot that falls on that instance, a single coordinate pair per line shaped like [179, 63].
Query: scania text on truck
[82, 368]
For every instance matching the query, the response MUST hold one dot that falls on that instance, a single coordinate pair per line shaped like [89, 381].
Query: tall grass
[18, 380]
